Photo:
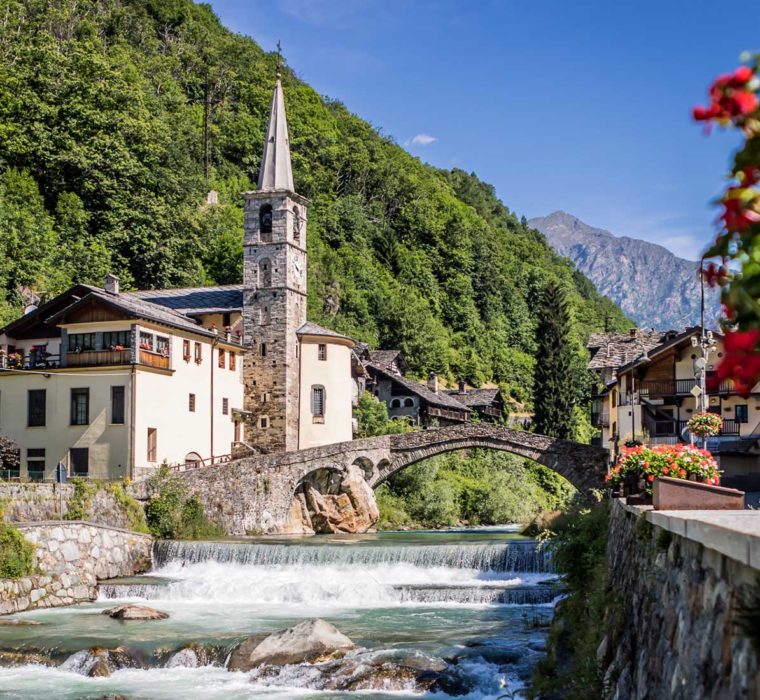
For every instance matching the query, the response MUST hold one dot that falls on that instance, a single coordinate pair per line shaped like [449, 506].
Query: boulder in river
[308, 642]
[99, 662]
[135, 612]
[14, 622]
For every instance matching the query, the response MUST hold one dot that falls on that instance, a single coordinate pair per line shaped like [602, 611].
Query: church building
[114, 383]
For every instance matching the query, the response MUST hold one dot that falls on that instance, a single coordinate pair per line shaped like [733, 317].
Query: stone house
[111, 383]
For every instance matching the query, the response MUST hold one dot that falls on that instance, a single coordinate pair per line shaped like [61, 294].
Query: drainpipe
[299, 350]
[214, 343]
[132, 414]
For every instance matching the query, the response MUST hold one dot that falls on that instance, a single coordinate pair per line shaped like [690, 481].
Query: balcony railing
[664, 428]
[98, 358]
[154, 359]
[658, 388]
[600, 419]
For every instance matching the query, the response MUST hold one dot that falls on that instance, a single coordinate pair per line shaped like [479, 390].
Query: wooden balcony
[154, 359]
[98, 358]
[600, 419]
[661, 388]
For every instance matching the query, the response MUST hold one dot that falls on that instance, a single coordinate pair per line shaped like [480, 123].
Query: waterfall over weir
[518, 557]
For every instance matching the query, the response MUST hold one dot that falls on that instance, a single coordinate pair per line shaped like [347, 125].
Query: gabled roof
[196, 300]
[474, 398]
[670, 342]
[135, 307]
[439, 399]
[40, 315]
[385, 358]
[611, 350]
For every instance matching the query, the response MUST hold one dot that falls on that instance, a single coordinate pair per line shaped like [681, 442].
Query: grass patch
[16, 552]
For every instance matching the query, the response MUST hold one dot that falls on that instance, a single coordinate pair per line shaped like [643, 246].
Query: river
[478, 598]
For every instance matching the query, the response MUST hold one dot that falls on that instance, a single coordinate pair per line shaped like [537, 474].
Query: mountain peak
[653, 286]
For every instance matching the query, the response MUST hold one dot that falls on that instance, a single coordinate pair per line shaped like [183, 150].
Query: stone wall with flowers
[677, 582]
[71, 558]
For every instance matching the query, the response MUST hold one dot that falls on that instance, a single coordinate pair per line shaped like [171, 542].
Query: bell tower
[274, 291]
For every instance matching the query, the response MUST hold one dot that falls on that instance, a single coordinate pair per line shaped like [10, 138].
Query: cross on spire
[279, 59]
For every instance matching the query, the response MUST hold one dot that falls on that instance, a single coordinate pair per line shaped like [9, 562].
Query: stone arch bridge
[254, 494]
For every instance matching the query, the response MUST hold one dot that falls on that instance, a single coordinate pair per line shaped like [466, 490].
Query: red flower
[650, 477]
[682, 473]
[737, 216]
[715, 276]
[729, 97]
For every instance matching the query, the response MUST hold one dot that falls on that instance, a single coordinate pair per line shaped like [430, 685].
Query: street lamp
[707, 344]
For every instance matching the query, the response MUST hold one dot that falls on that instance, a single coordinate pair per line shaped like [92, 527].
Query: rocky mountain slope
[653, 286]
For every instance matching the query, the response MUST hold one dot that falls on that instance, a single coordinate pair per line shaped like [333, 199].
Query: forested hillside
[102, 159]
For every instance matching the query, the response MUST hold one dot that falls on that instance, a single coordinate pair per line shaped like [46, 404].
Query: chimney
[111, 284]
[462, 389]
[633, 332]
[432, 382]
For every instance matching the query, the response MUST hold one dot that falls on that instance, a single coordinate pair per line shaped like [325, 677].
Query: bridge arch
[583, 466]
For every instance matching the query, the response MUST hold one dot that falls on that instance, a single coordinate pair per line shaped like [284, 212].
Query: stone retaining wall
[71, 557]
[38, 502]
[676, 578]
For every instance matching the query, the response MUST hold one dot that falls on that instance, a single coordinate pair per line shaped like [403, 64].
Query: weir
[471, 607]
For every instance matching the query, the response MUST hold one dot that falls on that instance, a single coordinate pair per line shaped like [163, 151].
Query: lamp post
[706, 342]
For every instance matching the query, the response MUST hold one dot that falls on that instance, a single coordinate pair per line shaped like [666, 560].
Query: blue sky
[581, 106]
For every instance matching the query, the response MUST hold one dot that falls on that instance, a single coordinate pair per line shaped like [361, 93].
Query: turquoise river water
[480, 599]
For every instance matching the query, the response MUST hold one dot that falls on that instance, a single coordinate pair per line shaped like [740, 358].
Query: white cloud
[421, 140]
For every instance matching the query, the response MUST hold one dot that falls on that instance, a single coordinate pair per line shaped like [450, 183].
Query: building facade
[114, 383]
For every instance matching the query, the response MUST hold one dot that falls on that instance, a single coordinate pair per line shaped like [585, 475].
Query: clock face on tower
[297, 271]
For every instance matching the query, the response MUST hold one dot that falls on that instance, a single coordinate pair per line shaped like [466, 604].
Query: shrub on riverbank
[172, 514]
[80, 503]
[481, 487]
[16, 553]
[570, 669]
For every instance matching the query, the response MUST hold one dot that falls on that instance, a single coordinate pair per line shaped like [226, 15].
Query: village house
[647, 393]
[112, 383]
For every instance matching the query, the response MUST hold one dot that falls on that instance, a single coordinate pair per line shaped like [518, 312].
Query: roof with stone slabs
[436, 399]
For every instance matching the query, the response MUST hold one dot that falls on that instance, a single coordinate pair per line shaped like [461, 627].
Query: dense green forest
[102, 168]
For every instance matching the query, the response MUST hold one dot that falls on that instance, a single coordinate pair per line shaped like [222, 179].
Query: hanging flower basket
[705, 424]
[644, 464]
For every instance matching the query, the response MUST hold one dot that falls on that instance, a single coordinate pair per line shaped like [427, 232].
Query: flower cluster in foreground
[677, 461]
[735, 102]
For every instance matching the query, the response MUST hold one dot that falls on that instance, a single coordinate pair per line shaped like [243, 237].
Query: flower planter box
[683, 494]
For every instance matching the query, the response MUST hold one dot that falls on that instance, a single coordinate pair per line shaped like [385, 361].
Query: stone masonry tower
[274, 291]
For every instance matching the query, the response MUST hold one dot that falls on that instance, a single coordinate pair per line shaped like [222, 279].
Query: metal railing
[600, 419]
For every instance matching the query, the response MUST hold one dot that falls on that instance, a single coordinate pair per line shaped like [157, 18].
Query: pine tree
[554, 382]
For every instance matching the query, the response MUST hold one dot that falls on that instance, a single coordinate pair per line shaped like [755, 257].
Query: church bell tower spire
[274, 290]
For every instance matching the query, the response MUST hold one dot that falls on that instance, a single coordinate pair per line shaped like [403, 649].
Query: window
[263, 422]
[162, 345]
[79, 457]
[116, 340]
[409, 403]
[221, 359]
[265, 222]
[198, 353]
[225, 407]
[321, 351]
[186, 350]
[263, 350]
[117, 405]
[396, 403]
[80, 406]
[35, 463]
[264, 316]
[318, 401]
[741, 413]
[233, 360]
[226, 319]
[152, 444]
[36, 404]
[147, 341]
[191, 403]
[80, 342]
[265, 273]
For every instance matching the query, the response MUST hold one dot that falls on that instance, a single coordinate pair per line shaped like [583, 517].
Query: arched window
[265, 222]
[318, 400]
[396, 403]
[409, 403]
[265, 273]
[297, 224]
